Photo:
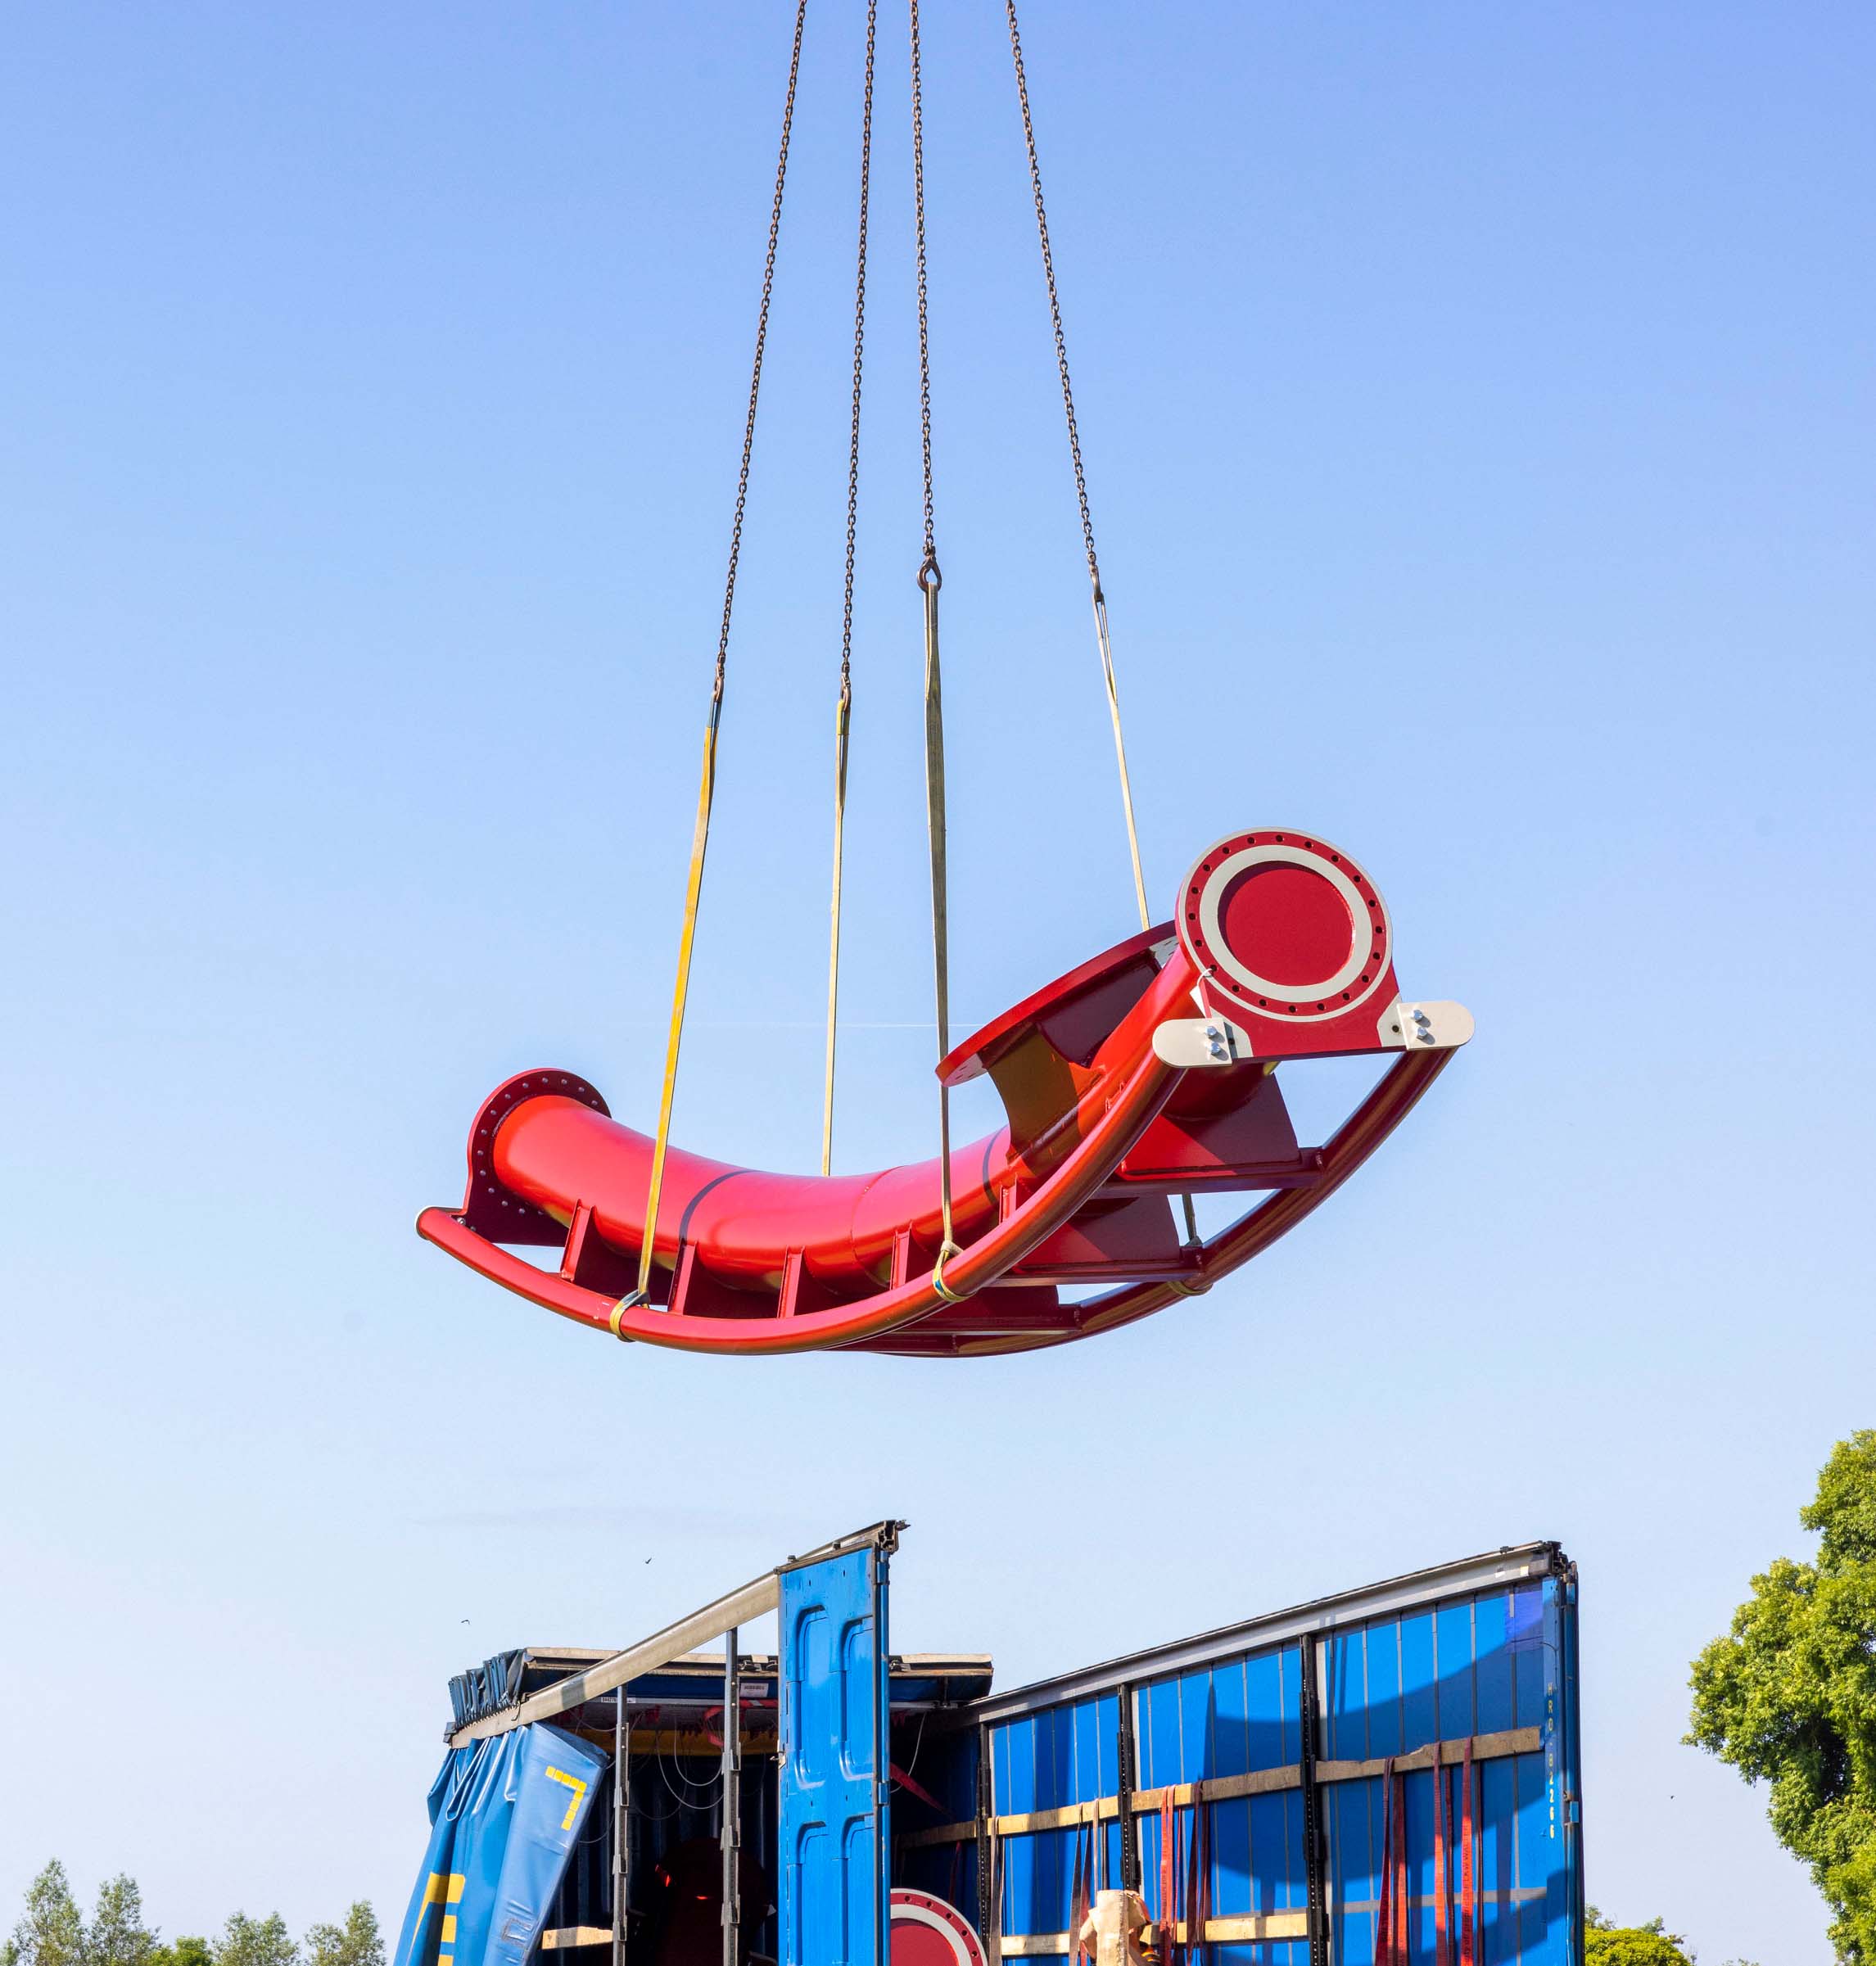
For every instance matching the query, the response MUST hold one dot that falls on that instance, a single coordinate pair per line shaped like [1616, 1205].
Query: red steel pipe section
[566, 1155]
[1276, 931]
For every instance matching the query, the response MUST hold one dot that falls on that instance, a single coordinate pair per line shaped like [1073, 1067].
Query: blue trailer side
[1279, 1741]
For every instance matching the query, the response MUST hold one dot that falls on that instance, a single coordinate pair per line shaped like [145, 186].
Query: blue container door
[834, 1831]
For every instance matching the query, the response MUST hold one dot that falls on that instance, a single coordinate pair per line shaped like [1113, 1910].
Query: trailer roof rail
[1511, 1565]
[721, 1615]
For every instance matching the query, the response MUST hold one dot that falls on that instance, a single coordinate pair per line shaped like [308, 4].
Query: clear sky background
[1477, 402]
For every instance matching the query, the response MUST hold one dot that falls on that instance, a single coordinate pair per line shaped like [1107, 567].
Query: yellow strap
[842, 717]
[700, 839]
[707, 788]
[929, 582]
[1119, 750]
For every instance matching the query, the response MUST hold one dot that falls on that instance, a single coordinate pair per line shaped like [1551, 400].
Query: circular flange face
[1285, 925]
[927, 1932]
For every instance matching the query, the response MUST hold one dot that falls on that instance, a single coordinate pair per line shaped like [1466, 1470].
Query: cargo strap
[686, 942]
[1198, 1880]
[1467, 1900]
[993, 1934]
[1391, 1927]
[1442, 1803]
[1080, 1894]
[1184, 1854]
[1169, 1910]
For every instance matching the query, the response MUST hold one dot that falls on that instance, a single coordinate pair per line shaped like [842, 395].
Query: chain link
[1055, 299]
[859, 352]
[761, 342]
[1104, 646]
[928, 571]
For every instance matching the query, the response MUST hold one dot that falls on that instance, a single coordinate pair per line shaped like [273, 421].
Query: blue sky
[1477, 403]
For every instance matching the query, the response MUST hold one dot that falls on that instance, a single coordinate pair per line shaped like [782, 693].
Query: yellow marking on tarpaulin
[579, 1788]
[440, 1887]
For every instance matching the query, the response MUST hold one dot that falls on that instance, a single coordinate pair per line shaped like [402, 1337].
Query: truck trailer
[1381, 1778]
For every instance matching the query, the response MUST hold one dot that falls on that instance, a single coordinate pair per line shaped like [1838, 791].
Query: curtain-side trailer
[1385, 1776]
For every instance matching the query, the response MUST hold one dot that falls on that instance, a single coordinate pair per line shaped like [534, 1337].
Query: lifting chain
[1105, 647]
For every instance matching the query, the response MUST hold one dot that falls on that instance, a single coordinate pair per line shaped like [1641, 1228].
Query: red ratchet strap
[905, 1782]
[1169, 1910]
[994, 1936]
[1198, 1879]
[1442, 1939]
[1078, 1895]
[1468, 1902]
[1390, 1927]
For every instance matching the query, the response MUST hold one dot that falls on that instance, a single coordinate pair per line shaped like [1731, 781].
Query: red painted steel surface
[927, 1931]
[1279, 933]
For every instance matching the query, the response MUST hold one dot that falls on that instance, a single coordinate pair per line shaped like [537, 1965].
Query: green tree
[246, 1941]
[1607, 1944]
[1788, 1696]
[50, 1932]
[117, 1935]
[358, 1942]
[182, 1952]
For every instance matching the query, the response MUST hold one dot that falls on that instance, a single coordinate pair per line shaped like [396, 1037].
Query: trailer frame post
[989, 1916]
[1309, 1728]
[732, 1800]
[1125, 1774]
[621, 1822]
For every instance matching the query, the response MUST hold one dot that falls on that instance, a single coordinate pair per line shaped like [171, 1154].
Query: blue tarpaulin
[504, 1815]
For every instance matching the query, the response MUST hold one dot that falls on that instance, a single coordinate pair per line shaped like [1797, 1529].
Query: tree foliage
[51, 1932]
[117, 1935]
[1788, 1696]
[358, 1942]
[246, 1941]
[1609, 1945]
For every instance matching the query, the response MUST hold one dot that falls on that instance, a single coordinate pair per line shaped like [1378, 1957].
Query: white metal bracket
[1195, 1043]
[1430, 1027]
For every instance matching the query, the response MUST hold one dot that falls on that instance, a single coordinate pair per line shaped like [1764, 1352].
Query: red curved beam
[1400, 1090]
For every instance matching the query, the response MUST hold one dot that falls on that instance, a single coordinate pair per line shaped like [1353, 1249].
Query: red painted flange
[927, 1932]
[1285, 929]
